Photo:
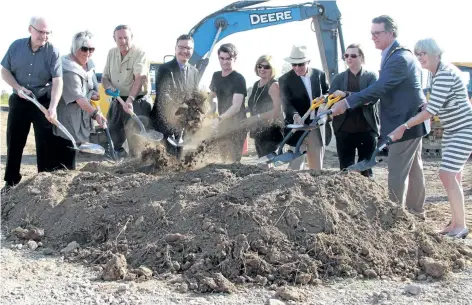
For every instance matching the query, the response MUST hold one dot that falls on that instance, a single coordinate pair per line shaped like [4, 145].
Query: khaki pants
[406, 183]
[315, 152]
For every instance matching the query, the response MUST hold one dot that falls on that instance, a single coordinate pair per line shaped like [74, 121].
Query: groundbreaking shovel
[368, 164]
[292, 155]
[152, 135]
[89, 148]
[107, 132]
[268, 158]
[331, 100]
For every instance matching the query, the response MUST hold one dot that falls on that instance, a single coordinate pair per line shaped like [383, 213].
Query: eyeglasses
[420, 54]
[86, 49]
[41, 32]
[352, 55]
[299, 65]
[377, 33]
[265, 67]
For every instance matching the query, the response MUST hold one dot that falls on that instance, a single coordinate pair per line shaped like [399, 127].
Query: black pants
[21, 114]
[267, 140]
[65, 155]
[120, 125]
[347, 143]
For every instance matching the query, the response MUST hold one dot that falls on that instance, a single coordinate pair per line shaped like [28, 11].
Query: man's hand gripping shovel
[152, 135]
[85, 147]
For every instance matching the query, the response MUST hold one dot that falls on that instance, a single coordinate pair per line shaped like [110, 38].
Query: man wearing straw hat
[298, 88]
[31, 65]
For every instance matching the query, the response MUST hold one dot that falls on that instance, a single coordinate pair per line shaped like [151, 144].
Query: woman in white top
[449, 101]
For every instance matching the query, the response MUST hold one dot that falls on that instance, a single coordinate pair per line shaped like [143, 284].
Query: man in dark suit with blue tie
[175, 81]
[401, 97]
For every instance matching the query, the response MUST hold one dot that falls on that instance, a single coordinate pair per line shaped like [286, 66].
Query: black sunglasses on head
[352, 55]
[265, 67]
[86, 49]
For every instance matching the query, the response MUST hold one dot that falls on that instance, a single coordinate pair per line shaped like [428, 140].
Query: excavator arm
[243, 16]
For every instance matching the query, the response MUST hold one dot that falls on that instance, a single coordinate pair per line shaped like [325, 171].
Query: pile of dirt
[225, 224]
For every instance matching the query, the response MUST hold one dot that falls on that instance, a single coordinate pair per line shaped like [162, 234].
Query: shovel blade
[91, 148]
[267, 158]
[152, 136]
[363, 165]
[174, 142]
[286, 158]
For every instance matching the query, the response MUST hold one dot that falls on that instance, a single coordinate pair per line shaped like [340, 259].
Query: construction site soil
[222, 224]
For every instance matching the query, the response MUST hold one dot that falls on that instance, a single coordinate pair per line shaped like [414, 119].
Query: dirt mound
[225, 224]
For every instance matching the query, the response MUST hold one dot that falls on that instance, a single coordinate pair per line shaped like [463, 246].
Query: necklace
[256, 98]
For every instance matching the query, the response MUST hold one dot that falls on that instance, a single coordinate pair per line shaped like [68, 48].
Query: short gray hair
[80, 40]
[35, 19]
[429, 46]
[389, 23]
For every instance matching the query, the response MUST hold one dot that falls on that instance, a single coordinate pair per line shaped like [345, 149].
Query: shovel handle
[333, 100]
[124, 105]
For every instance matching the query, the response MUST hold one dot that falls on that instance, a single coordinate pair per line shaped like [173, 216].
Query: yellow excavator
[432, 142]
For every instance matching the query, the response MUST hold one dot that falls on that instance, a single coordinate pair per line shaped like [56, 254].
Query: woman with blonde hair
[265, 108]
[449, 101]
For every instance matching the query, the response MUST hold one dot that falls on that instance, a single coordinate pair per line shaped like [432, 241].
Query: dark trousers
[65, 155]
[119, 124]
[347, 143]
[21, 114]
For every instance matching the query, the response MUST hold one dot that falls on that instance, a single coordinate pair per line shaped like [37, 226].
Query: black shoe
[121, 153]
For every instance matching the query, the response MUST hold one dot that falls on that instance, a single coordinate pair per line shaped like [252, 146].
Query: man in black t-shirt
[229, 88]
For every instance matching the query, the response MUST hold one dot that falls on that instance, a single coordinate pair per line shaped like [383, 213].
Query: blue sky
[156, 24]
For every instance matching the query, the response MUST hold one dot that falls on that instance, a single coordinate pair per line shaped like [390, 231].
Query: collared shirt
[121, 71]
[33, 70]
[385, 52]
[306, 79]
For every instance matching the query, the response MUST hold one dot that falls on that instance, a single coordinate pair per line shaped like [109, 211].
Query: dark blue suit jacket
[399, 91]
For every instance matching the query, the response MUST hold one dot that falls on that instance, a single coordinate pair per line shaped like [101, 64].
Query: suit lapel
[299, 85]
[363, 80]
[393, 47]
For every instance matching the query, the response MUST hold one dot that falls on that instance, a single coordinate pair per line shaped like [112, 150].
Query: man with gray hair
[31, 66]
[126, 69]
[401, 97]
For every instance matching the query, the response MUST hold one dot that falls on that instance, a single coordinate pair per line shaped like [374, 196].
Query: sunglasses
[265, 67]
[352, 55]
[86, 49]
[299, 65]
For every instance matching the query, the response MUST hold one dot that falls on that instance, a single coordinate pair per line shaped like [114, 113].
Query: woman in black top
[265, 108]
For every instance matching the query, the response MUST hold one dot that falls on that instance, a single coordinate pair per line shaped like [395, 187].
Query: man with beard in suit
[175, 81]
[298, 88]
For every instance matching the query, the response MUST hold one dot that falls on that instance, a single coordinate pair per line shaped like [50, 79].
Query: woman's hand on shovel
[101, 120]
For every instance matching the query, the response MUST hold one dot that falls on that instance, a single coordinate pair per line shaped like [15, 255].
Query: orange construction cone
[245, 148]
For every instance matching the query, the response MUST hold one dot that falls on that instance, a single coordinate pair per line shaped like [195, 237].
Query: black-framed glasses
[87, 49]
[351, 55]
[377, 33]
[265, 67]
[299, 65]
[41, 32]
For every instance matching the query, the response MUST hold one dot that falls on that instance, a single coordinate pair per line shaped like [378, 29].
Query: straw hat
[298, 55]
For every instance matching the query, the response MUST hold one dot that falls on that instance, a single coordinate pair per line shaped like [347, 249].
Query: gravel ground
[33, 277]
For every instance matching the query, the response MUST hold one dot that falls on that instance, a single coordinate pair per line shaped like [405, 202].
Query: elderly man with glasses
[31, 66]
[298, 88]
[126, 70]
[401, 97]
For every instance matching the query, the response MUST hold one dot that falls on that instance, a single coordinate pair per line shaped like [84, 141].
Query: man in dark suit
[357, 129]
[298, 88]
[401, 97]
[175, 81]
